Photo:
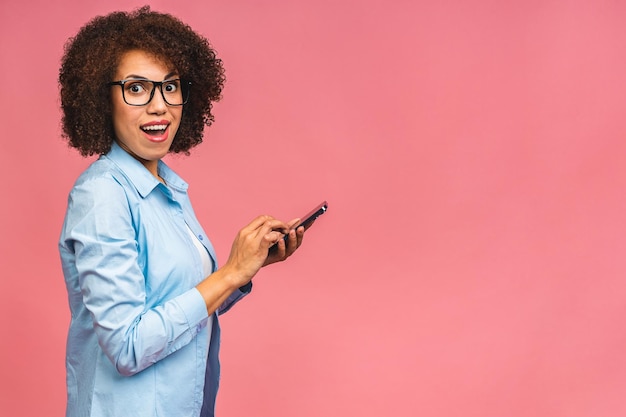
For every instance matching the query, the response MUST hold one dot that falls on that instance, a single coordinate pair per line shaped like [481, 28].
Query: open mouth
[155, 130]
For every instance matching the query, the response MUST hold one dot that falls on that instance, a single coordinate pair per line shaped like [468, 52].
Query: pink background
[472, 152]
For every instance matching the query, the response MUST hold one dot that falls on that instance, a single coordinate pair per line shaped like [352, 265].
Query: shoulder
[104, 172]
[101, 184]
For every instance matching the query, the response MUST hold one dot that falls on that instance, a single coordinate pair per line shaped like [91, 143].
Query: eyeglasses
[139, 92]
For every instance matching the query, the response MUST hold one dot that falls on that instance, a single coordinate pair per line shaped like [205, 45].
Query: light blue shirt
[140, 342]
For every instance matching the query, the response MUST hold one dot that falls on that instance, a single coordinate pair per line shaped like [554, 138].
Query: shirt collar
[141, 178]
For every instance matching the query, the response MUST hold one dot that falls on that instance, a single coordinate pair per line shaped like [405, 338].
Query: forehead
[138, 63]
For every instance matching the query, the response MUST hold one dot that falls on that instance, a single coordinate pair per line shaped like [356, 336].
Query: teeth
[155, 127]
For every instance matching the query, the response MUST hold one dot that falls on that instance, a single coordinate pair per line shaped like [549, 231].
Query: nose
[157, 105]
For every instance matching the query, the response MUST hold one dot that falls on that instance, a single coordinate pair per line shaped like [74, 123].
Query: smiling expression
[145, 132]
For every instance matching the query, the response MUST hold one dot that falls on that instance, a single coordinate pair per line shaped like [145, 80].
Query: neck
[150, 165]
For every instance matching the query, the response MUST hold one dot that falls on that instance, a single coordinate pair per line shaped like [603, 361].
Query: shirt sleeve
[100, 232]
[234, 298]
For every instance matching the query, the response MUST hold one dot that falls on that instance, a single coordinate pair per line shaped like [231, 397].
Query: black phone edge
[313, 215]
[310, 217]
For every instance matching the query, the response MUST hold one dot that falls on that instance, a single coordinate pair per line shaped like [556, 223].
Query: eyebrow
[141, 77]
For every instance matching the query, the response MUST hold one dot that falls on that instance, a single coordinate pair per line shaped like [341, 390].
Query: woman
[143, 285]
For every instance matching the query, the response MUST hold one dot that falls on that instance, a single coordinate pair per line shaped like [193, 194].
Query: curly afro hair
[90, 62]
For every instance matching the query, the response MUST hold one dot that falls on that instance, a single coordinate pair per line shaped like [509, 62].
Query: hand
[251, 246]
[286, 247]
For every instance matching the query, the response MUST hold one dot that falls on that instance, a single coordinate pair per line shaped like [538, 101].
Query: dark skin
[251, 248]
[249, 253]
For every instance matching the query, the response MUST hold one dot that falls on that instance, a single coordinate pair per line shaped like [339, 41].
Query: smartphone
[308, 219]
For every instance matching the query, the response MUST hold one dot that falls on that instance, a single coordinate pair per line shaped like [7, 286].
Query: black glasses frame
[185, 86]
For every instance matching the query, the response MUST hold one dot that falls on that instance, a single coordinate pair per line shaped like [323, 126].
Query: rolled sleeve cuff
[193, 306]
[246, 288]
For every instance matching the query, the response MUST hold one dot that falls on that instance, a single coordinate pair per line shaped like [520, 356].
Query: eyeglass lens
[140, 92]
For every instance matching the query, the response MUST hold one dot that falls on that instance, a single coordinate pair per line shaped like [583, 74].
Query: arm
[249, 253]
[100, 235]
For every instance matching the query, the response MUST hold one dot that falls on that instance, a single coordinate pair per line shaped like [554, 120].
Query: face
[146, 132]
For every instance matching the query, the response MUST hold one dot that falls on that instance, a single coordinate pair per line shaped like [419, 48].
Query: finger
[277, 250]
[292, 226]
[273, 238]
[292, 223]
[275, 225]
[262, 225]
[300, 234]
[257, 222]
[292, 242]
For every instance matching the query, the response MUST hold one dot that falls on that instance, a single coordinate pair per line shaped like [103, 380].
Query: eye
[171, 86]
[135, 87]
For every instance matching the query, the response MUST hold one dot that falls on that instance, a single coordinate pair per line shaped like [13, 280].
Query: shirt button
[200, 237]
